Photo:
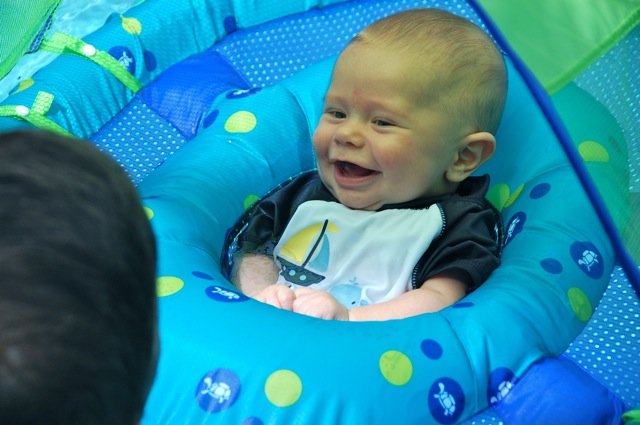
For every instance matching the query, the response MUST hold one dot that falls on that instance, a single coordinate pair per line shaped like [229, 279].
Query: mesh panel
[312, 36]
[37, 41]
[613, 80]
[609, 347]
[138, 139]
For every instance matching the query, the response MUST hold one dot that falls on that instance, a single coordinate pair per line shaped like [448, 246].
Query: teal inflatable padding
[147, 42]
[602, 146]
[278, 366]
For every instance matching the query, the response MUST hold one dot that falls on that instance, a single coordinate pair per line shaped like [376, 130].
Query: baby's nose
[349, 133]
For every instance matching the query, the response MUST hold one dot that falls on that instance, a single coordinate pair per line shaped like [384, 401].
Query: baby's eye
[382, 123]
[338, 115]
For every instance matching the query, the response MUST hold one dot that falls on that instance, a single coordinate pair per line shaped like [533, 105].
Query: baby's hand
[320, 304]
[277, 295]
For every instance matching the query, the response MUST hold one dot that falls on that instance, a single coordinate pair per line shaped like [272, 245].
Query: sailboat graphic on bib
[306, 254]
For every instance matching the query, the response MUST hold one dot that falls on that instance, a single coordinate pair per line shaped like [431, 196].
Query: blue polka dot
[431, 349]
[125, 57]
[209, 119]
[230, 24]
[501, 381]
[551, 265]
[218, 390]
[226, 295]
[465, 304]
[237, 94]
[588, 258]
[252, 421]
[514, 226]
[540, 190]
[150, 61]
[202, 275]
[446, 400]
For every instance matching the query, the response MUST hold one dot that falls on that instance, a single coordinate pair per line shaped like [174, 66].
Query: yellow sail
[296, 248]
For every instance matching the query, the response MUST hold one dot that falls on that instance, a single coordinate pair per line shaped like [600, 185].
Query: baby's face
[376, 143]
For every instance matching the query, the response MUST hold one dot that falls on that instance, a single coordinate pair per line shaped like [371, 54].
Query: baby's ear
[476, 149]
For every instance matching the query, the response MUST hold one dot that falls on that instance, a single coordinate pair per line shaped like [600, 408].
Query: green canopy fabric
[23, 23]
[558, 39]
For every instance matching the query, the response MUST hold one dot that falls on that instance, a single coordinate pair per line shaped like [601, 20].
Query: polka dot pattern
[230, 24]
[498, 195]
[501, 381]
[218, 390]
[551, 265]
[149, 212]
[283, 388]
[396, 367]
[593, 151]
[540, 190]
[131, 25]
[125, 56]
[446, 400]
[25, 84]
[139, 140]
[168, 285]
[269, 53]
[432, 349]
[608, 347]
[240, 122]
[580, 303]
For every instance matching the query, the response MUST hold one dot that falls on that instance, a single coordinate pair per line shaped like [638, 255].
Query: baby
[392, 224]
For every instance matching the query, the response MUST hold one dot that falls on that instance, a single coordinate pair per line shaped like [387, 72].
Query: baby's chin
[359, 203]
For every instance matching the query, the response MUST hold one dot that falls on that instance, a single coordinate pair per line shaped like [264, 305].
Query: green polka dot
[498, 195]
[396, 367]
[591, 151]
[149, 212]
[580, 304]
[283, 388]
[514, 196]
[24, 84]
[240, 122]
[131, 25]
[168, 285]
[250, 200]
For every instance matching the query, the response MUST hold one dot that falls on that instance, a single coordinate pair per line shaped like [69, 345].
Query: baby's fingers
[286, 296]
[319, 304]
[279, 296]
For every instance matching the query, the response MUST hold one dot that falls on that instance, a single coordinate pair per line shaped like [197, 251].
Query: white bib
[360, 257]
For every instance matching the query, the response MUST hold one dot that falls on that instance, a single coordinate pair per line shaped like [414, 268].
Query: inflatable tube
[204, 145]
[248, 361]
[241, 359]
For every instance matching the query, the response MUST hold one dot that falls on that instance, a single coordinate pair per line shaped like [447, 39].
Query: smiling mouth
[351, 170]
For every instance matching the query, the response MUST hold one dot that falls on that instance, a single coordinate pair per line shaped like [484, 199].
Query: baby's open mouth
[349, 169]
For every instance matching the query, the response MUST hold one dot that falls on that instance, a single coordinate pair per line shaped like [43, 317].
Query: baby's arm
[256, 276]
[435, 294]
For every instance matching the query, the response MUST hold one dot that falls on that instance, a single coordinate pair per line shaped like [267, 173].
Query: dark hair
[78, 311]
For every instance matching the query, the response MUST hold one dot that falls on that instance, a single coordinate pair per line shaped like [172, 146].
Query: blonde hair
[461, 67]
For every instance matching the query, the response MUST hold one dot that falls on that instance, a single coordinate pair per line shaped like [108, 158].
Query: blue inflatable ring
[228, 359]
